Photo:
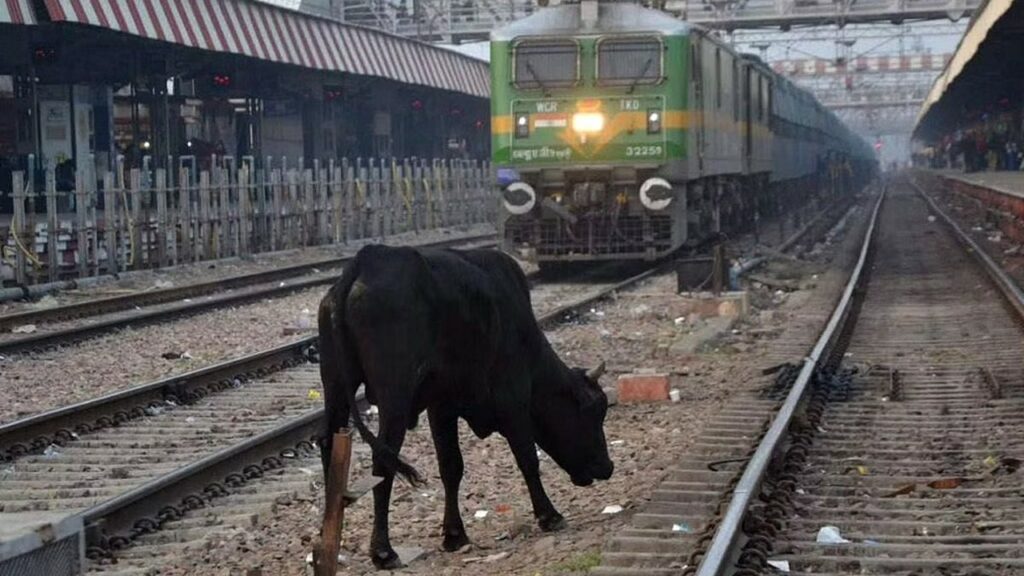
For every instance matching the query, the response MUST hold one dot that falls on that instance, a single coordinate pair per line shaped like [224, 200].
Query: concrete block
[643, 388]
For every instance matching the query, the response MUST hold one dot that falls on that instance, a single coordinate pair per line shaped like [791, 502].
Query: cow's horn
[595, 373]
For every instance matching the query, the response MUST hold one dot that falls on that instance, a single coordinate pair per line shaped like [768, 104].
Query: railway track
[896, 449]
[135, 460]
[81, 320]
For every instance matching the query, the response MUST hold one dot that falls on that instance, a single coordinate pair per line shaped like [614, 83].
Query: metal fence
[138, 218]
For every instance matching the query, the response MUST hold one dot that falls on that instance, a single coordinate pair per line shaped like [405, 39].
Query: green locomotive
[622, 133]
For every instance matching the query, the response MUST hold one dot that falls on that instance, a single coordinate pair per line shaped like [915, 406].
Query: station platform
[1008, 182]
[1001, 191]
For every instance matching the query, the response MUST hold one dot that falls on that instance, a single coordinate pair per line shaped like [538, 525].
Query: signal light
[44, 55]
[417, 104]
[654, 122]
[523, 126]
[222, 80]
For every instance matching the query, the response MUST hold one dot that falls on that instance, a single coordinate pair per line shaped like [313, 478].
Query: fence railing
[138, 218]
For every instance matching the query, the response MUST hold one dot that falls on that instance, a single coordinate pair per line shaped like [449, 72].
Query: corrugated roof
[16, 12]
[984, 19]
[276, 34]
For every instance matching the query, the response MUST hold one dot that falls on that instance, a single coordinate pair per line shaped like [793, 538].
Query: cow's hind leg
[520, 440]
[444, 426]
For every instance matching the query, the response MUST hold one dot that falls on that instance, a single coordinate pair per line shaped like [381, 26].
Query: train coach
[622, 133]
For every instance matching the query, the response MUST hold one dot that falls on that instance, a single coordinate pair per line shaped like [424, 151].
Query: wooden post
[226, 242]
[275, 218]
[52, 225]
[160, 187]
[386, 200]
[338, 202]
[94, 223]
[17, 222]
[82, 247]
[307, 204]
[374, 201]
[206, 243]
[320, 181]
[350, 205]
[135, 223]
[362, 200]
[110, 221]
[185, 208]
[244, 211]
[325, 554]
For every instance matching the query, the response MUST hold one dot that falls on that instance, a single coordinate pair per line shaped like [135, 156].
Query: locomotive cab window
[544, 64]
[630, 61]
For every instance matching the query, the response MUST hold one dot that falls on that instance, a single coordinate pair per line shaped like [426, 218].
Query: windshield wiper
[643, 73]
[536, 78]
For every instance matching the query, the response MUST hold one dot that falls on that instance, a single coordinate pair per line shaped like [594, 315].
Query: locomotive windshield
[630, 60]
[547, 63]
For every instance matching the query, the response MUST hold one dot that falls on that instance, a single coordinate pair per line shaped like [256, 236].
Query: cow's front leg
[444, 426]
[392, 432]
[520, 440]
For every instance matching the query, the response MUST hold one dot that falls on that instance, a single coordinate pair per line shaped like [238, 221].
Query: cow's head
[570, 426]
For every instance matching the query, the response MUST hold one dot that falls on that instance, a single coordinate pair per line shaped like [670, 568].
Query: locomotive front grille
[592, 236]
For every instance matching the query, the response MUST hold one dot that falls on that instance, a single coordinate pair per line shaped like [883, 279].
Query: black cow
[453, 333]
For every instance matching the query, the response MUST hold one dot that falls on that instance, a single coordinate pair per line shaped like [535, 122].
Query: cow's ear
[594, 374]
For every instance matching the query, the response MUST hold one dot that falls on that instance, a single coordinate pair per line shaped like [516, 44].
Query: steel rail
[156, 297]
[112, 524]
[753, 263]
[34, 433]
[716, 558]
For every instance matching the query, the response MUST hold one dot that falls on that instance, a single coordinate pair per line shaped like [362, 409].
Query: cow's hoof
[386, 560]
[552, 523]
[455, 542]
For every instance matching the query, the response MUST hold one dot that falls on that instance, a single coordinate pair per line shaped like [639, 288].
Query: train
[622, 133]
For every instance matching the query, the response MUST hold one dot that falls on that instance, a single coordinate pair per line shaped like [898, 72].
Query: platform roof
[985, 74]
[270, 33]
[16, 12]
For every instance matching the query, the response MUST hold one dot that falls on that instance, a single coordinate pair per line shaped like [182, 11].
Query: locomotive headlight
[519, 198]
[656, 194]
[588, 122]
[654, 122]
[523, 126]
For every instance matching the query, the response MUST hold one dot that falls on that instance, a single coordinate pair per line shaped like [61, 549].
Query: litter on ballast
[313, 394]
[830, 535]
[480, 514]
[931, 218]
[780, 565]
[52, 451]
[617, 442]
[342, 559]
[612, 509]
[682, 527]
[46, 302]
[26, 329]
[674, 395]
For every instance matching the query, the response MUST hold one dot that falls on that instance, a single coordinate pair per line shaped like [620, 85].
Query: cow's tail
[339, 349]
